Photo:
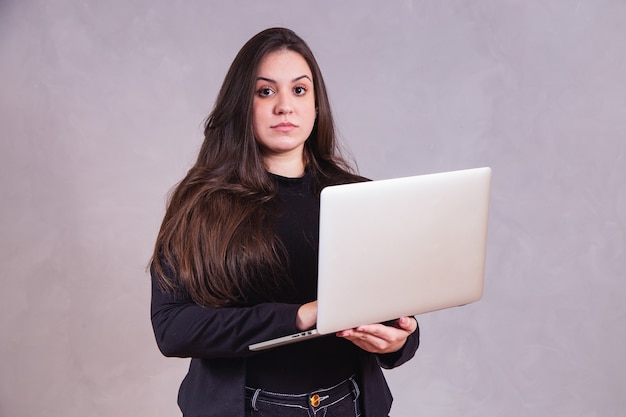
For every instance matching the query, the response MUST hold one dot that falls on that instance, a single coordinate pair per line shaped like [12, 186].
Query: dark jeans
[341, 400]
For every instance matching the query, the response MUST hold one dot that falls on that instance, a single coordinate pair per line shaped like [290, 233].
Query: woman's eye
[299, 90]
[265, 92]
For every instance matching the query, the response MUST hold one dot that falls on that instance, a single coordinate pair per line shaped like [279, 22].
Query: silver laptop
[398, 247]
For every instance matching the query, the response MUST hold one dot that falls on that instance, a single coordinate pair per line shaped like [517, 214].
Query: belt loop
[357, 392]
[254, 397]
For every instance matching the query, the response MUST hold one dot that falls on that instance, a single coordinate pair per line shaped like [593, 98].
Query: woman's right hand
[307, 316]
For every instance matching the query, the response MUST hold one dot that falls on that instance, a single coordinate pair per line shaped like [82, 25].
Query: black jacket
[217, 340]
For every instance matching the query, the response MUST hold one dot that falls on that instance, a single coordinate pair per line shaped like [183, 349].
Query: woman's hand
[379, 338]
[307, 316]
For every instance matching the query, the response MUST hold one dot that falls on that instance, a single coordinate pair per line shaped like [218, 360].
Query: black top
[317, 363]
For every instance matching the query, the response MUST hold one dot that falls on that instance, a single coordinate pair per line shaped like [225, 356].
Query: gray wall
[101, 106]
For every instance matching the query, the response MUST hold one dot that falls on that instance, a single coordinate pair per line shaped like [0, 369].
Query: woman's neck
[285, 167]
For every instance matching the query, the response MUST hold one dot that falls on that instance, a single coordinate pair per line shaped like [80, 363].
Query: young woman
[235, 260]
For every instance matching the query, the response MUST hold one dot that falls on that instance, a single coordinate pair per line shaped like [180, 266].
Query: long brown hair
[216, 242]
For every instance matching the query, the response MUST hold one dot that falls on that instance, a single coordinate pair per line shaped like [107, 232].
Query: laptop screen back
[401, 247]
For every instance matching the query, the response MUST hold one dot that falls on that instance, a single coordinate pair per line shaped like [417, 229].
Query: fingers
[307, 316]
[374, 341]
[407, 323]
[378, 338]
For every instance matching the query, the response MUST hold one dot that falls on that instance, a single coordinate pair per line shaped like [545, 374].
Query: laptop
[398, 247]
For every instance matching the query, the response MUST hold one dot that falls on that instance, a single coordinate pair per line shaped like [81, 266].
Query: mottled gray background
[101, 108]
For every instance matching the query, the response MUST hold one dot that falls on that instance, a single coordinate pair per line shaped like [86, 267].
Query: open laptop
[398, 247]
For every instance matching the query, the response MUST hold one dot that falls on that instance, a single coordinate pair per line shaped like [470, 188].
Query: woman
[235, 261]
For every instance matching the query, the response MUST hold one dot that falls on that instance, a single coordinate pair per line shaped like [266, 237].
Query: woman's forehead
[284, 62]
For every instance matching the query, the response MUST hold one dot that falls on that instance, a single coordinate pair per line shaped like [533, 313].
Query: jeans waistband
[317, 399]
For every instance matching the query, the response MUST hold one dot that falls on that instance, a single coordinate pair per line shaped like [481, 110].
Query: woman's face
[283, 107]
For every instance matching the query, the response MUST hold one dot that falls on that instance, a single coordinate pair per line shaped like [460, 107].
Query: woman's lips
[284, 127]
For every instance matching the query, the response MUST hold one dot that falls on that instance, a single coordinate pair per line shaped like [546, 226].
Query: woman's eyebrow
[269, 80]
[301, 77]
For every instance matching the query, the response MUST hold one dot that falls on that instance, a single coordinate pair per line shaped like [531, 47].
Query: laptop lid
[401, 247]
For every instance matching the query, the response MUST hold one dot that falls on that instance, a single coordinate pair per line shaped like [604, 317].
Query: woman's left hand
[379, 338]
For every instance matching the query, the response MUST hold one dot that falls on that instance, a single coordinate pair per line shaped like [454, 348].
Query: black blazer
[217, 340]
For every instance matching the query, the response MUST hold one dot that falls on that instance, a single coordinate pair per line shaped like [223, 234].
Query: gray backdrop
[101, 108]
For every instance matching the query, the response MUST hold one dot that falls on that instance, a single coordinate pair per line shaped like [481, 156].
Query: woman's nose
[283, 104]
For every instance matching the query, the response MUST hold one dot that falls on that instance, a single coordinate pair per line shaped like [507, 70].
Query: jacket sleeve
[391, 360]
[185, 329]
